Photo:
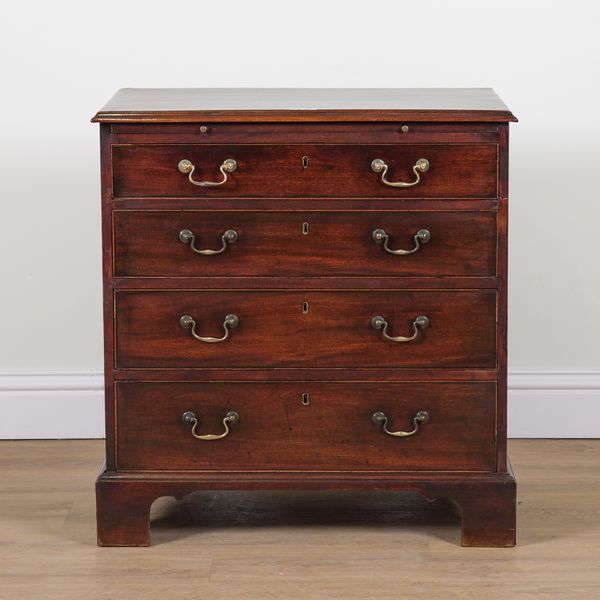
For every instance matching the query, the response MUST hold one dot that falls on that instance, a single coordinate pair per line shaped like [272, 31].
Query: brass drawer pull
[380, 236]
[380, 418]
[230, 322]
[187, 236]
[380, 166]
[421, 322]
[229, 165]
[189, 417]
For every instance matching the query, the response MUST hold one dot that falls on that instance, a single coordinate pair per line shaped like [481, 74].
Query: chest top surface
[146, 105]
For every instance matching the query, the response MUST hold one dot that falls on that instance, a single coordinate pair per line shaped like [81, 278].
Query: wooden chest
[305, 289]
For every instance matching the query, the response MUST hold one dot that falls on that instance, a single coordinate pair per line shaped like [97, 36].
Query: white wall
[62, 60]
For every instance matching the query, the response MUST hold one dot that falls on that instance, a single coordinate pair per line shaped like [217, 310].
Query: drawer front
[331, 171]
[306, 329]
[151, 243]
[332, 429]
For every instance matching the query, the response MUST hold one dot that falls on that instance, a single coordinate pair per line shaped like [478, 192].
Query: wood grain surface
[336, 331]
[334, 430]
[336, 170]
[305, 104]
[225, 132]
[273, 243]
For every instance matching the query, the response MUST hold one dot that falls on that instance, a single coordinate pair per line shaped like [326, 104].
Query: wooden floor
[296, 545]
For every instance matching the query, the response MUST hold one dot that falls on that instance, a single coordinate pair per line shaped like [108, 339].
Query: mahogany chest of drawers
[305, 289]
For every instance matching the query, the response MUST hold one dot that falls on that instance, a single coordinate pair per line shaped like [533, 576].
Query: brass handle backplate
[187, 167]
[379, 323]
[230, 322]
[378, 165]
[187, 236]
[381, 237]
[189, 417]
[380, 418]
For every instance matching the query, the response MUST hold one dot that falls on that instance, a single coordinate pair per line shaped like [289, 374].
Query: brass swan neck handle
[378, 165]
[380, 236]
[187, 167]
[230, 322]
[189, 417]
[187, 236]
[380, 418]
[379, 323]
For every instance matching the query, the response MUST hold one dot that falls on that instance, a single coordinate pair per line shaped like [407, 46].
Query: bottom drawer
[311, 426]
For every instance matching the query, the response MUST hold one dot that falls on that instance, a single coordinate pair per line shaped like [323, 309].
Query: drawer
[325, 170]
[331, 428]
[271, 243]
[306, 329]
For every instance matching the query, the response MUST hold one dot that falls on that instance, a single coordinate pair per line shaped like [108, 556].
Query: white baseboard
[51, 405]
[554, 404]
[70, 405]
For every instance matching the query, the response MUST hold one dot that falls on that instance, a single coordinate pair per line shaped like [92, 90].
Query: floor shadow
[212, 511]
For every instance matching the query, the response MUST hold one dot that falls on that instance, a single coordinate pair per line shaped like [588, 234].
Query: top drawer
[305, 170]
